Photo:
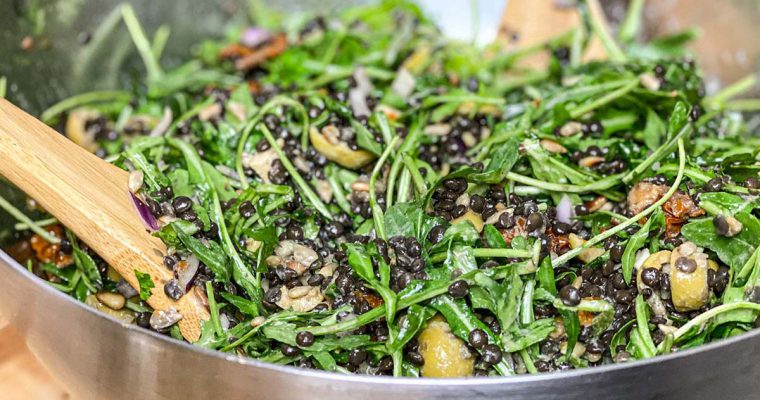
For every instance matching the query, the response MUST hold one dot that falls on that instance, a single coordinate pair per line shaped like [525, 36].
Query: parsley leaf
[146, 284]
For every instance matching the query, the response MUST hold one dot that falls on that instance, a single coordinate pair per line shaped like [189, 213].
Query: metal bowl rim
[359, 379]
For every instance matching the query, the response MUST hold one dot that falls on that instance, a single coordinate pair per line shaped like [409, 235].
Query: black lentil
[570, 295]
[686, 265]
[721, 225]
[491, 354]
[172, 290]
[477, 203]
[459, 289]
[651, 277]
[247, 209]
[477, 338]
[182, 204]
[289, 351]
[305, 338]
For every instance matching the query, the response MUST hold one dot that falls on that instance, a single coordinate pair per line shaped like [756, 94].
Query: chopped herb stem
[21, 217]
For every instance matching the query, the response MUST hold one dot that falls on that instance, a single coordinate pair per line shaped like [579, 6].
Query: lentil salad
[363, 196]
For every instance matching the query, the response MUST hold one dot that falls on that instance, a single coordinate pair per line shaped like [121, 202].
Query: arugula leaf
[462, 321]
[285, 332]
[572, 327]
[742, 283]
[325, 360]
[545, 276]
[410, 324]
[409, 219]
[732, 251]
[180, 180]
[636, 242]
[245, 306]
[493, 237]
[503, 159]
[365, 139]
[619, 338]
[725, 203]
[522, 338]
[220, 183]
[653, 130]
[480, 298]
[86, 264]
[211, 254]
[360, 261]
[508, 305]
[460, 258]
[154, 179]
[647, 347]
[678, 118]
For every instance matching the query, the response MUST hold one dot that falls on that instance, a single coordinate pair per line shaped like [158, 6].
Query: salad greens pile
[359, 194]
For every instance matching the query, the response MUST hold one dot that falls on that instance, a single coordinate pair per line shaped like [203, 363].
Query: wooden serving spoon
[530, 22]
[90, 197]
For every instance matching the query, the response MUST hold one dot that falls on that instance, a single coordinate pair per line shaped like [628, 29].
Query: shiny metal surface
[97, 357]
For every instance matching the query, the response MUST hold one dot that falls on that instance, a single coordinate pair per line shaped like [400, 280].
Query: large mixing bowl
[97, 357]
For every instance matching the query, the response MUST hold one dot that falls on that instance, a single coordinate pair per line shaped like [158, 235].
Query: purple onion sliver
[358, 103]
[565, 210]
[186, 276]
[143, 211]
[254, 37]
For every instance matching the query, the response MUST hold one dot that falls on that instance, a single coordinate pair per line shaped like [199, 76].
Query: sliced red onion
[185, 275]
[143, 211]
[404, 83]
[135, 182]
[362, 80]
[254, 37]
[358, 102]
[225, 321]
[357, 97]
[565, 210]
[228, 172]
[164, 124]
[641, 256]
[437, 129]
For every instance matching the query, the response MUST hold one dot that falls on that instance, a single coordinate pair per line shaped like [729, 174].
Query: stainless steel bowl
[97, 357]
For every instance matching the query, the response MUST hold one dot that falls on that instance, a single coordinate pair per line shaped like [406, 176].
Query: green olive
[588, 254]
[474, 219]
[339, 151]
[445, 355]
[655, 261]
[688, 288]
[76, 127]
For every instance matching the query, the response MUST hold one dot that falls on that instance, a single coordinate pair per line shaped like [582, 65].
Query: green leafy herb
[448, 163]
[146, 284]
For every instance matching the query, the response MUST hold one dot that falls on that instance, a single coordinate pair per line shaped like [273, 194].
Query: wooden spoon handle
[529, 22]
[90, 197]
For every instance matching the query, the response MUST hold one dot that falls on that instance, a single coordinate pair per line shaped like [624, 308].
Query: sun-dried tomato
[50, 252]
[678, 209]
[517, 230]
[586, 318]
[372, 299]
[271, 49]
[643, 195]
[558, 244]
[234, 51]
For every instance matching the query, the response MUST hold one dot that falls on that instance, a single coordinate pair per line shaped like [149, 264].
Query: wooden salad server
[90, 197]
[526, 23]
